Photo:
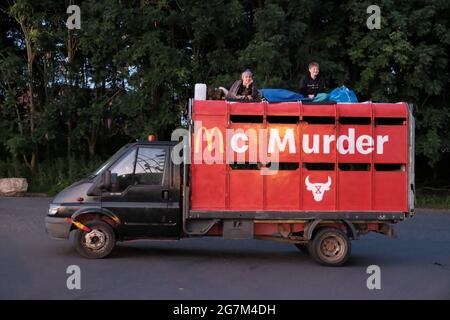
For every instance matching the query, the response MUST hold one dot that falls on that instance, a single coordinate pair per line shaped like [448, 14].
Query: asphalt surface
[416, 265]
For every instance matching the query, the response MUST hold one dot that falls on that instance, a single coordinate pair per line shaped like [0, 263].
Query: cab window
[124, 170]
[150, 166]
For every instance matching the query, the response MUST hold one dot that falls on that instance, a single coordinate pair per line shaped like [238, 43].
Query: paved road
[32, 266]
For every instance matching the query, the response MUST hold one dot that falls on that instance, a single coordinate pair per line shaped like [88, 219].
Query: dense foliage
[81, 94]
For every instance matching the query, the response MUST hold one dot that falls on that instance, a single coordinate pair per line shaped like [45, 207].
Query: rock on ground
[13, 187]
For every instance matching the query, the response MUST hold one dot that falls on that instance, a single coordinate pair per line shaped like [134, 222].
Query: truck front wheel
[98, 242]
[330, 247]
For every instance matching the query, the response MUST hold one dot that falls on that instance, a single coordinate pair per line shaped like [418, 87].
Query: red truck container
[316, 175]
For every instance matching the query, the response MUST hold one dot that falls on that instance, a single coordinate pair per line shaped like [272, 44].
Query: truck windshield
[107, 163]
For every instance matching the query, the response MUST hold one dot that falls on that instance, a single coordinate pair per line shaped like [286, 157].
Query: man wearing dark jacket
[312, 84]
[244, 89]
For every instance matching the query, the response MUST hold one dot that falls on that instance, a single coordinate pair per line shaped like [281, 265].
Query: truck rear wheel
[330, 247]
[96, 244]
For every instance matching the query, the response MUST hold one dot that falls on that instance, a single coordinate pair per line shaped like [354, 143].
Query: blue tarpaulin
[340, 94]
[281, 95]
[321, 97]
[343, 94]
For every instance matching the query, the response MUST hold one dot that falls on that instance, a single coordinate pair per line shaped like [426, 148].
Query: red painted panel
[321, 110]
[315, 145]
[247, 108]
[395, 149]
[284, 132]
[354, 110]
[212, 127]
[354, 191]
[324, 199]
[246, 190]
[393, 110]
[282, 190]
[208, 186]
[390, 191]
[252, 145]
[212, 107]
[283, 108]
[356, 148]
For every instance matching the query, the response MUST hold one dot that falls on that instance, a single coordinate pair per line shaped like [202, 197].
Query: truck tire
[96, 244]
[303, 247]
[330, 247]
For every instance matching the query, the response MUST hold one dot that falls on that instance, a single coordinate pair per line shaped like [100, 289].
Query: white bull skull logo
[318, 189]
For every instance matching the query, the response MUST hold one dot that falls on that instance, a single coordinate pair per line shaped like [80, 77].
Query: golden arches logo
[209, 138]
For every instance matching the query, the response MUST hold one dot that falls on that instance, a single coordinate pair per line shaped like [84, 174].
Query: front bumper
[57, 228]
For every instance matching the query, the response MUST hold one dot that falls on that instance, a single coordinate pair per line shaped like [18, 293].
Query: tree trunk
[92, 141]
[69, 140]
[32, 163]
[31, 107]
[92, 144]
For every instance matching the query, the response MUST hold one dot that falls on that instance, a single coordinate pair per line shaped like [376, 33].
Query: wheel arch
[93, 213]
[314, 226]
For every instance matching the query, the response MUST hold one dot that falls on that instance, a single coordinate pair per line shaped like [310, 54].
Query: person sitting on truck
[244, 89]
[312, 83]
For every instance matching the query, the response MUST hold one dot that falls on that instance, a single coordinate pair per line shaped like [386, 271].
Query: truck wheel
[330, 247]
[303, 247]
[96, 244]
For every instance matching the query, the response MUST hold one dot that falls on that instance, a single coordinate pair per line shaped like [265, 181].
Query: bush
[51, 176]
[429, 197]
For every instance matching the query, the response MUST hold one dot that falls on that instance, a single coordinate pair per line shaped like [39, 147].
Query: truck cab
[136, 193]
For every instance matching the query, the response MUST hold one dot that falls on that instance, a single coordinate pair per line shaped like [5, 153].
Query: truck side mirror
[100, 184]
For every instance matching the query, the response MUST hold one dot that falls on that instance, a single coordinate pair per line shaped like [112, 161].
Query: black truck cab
[135, 194]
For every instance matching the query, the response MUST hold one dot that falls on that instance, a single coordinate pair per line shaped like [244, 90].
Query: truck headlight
[53, 209]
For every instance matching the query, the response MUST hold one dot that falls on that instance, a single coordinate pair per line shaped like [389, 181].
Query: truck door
[141, 193]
